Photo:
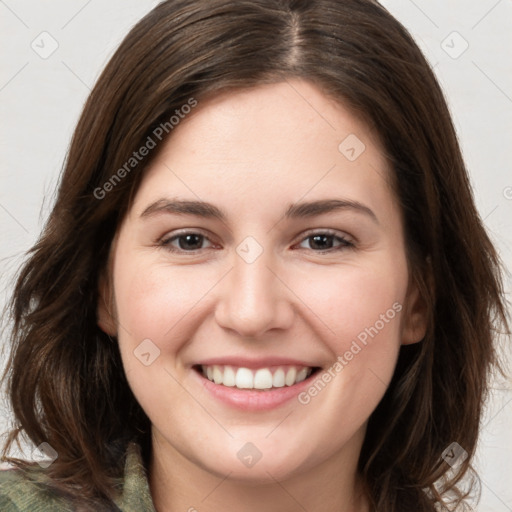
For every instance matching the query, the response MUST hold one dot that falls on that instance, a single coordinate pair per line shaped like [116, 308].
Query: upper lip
[246, 362]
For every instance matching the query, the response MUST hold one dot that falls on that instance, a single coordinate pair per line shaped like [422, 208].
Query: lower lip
[254, 400]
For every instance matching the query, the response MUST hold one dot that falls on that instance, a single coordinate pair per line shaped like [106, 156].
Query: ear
[415, 319]
[104, 310]
[105, 306]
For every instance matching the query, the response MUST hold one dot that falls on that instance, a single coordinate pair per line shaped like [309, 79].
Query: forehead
[266, 146]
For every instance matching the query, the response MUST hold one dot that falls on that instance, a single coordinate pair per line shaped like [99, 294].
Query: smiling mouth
[261, 379]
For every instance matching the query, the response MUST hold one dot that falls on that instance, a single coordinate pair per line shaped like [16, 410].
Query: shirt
[19, 494]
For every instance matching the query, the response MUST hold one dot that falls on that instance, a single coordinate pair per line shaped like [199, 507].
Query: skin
[252, 153]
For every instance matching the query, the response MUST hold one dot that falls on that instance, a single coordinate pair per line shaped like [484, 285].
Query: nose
[253, 298]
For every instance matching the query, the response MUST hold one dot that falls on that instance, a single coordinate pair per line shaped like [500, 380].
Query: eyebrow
[294, 211]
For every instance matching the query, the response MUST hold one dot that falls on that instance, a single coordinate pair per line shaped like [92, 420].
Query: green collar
[135, 496]
[20, 492]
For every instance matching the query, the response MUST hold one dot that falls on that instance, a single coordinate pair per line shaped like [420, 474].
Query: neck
[177, 483]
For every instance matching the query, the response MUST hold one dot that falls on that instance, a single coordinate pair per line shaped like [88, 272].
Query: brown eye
[185, 242]
[319, 242]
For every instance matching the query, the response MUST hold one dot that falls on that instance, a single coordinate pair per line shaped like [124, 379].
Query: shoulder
[21, 492]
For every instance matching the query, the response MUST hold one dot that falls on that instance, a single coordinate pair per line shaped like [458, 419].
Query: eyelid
[183, 231]
[327, 231]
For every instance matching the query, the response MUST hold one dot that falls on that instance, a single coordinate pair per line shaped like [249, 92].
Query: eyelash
[344, 242]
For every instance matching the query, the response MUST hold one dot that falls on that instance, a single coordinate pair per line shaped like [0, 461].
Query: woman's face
[260, 283]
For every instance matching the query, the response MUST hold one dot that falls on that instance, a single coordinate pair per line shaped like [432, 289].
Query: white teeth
[278, 378]
[229, 376]
[217, 375]
[263, 378]
[290, 376]
[301, 375]
[244, 378]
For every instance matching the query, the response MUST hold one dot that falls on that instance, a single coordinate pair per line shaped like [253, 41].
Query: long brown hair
[65, 377]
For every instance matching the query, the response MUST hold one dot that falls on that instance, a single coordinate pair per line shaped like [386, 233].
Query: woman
[264, 282]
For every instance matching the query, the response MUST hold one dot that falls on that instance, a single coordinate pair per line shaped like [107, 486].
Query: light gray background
[41, 99]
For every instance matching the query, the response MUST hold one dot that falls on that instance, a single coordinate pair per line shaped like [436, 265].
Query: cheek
[355, 301]
[362, 309]
[359, 313]
[153, 301]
